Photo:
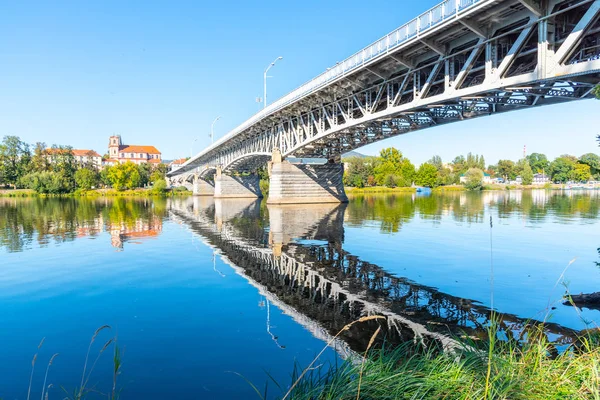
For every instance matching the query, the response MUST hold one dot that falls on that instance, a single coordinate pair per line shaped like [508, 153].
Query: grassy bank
[95, 193]
[500, 370]
[450, 188]
[379, 189]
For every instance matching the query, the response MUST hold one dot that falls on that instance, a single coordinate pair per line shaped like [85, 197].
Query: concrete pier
[233, 187]
[305, 183]
[203, 187]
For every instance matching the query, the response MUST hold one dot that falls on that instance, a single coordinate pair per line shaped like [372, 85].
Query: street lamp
[212, 134]
[265, 80]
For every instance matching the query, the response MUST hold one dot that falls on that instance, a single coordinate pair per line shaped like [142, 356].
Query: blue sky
[158, 73]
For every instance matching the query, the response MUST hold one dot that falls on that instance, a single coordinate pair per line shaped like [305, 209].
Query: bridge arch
[248, 162]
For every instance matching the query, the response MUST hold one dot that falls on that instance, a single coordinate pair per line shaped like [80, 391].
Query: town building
[82, 157]
[175, 165]
[540, 179]
[120, 153]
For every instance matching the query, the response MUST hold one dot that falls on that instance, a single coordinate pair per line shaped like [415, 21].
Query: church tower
[114, 144]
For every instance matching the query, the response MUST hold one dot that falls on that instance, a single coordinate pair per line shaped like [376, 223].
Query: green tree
[446, 177]
[593, 160]
[39, 159]
[46, 182]
[527, 173]
[459, 165]
[15, 158]
[124, 176]
[358, 170]
[581, 173]
[436, 161]
[392, 162]
[145, 171]
[474, 179]
[64, 165]
[105, 176]
[427, 175]
[561, 169]
[87, 178]
[507, 170]
[538, 162]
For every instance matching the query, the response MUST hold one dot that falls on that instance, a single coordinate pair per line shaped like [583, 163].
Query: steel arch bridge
[460, 60]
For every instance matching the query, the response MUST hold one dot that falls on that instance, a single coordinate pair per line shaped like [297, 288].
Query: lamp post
[265, 80]
[212, 134]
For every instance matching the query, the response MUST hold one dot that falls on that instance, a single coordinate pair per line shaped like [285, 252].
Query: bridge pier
[302, 183]
[203, 187]
[232, 187]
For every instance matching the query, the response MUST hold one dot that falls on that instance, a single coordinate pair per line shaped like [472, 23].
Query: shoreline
[457, 188]
[24, 193]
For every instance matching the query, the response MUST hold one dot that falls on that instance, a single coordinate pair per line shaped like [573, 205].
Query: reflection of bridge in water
[298, 262]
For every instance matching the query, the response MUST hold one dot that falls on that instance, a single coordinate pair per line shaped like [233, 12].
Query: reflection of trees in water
[44, 220]
[395, 210]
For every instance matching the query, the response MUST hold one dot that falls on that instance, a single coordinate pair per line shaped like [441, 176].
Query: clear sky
[158, 73]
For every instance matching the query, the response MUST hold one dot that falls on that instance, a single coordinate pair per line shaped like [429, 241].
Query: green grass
[379, 189]
[451, 188]
[96, 193]
[530, 370]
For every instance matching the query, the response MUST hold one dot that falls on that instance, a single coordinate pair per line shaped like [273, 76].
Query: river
[204, 295]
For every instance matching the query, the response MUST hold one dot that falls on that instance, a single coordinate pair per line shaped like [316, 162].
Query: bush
[474, 178]
[159, 187]
[264, 186]
[391, 181]
[47, 183]
[86, 179]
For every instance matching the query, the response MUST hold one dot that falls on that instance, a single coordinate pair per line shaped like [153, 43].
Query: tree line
[391, 168]
[56, 171]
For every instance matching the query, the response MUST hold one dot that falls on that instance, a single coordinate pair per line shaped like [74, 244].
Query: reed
[529, 371]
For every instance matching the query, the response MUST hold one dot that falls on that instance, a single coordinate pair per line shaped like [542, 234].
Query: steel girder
[527, 60]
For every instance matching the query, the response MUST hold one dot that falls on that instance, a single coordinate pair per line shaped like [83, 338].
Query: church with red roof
[121, 153]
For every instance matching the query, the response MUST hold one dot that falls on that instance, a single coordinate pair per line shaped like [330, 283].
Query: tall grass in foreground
[84, 388]
[517, 371]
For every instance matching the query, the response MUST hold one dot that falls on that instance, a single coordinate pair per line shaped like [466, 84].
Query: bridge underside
[497, 56]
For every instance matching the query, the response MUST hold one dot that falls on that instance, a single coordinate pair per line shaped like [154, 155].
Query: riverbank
[95, 193]
[498, 370]
[379, 189]
[452, 188]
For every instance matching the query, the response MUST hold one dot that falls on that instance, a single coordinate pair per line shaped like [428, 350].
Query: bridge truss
[461, 60]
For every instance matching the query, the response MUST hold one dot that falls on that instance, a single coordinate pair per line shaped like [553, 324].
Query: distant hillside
[354, 154]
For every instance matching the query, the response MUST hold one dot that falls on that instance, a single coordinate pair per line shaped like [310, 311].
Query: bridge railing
[428, 20]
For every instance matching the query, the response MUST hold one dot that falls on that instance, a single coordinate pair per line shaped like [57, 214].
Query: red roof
[84, 153]
[179, 162]
[75, 152]
[139, 149]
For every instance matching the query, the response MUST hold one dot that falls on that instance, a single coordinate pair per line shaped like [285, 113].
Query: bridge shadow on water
[294, 256]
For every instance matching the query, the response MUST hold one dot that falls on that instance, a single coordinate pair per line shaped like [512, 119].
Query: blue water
[203, 296]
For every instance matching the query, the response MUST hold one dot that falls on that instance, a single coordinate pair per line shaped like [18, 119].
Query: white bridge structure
[460, 60]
